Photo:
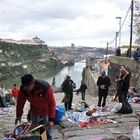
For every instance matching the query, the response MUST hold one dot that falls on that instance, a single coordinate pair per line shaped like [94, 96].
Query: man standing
[42, 103]
[103, 84]
[67, 86]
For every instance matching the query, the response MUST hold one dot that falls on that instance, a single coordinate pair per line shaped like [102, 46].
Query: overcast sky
[62, 22]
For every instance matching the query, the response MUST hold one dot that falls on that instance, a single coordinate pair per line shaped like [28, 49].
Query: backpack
[126, 108]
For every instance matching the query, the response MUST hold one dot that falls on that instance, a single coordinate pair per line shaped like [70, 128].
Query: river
[74, 71]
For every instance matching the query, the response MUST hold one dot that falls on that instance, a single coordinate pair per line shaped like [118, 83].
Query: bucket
[60, 112]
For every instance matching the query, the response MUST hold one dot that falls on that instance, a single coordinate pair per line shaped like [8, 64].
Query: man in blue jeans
[42, 103]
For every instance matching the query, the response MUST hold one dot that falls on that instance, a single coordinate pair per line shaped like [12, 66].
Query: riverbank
[48, 75]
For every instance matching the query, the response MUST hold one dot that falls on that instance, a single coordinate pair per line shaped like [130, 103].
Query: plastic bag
[60, 112]
[66, 98]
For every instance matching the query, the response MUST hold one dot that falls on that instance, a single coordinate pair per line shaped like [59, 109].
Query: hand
[18, 119]
[102, 86]
[50, 123]
[77, 94]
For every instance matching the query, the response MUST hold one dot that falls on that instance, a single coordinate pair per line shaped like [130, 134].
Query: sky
[62, 22]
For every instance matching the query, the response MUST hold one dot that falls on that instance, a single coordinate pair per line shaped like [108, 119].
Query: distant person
[67, 86]
[15, 92]
[118, 51]
[54, 84]
[2, 96]
[82, 89]
[128, 52]
[136, 55]
[42, 103]
[103, 83]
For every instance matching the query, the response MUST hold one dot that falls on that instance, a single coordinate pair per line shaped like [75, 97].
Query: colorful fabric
[85, 124]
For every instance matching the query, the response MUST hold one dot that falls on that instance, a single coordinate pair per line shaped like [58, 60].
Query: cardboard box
[35, 132]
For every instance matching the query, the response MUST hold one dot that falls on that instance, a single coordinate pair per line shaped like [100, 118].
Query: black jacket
[103, 81]
[83, 87]
[68, 86]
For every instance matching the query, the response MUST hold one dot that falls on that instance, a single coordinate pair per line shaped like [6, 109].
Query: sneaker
[70, 108]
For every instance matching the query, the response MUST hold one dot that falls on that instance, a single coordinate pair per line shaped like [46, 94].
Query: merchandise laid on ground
[85, 121]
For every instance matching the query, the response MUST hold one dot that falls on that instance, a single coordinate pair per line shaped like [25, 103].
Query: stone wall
[91, 83]
[132, 65]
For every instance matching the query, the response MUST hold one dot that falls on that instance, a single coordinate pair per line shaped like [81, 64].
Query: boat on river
[70, 62]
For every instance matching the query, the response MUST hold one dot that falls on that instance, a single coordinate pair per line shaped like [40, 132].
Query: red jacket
[15, 91]
[41, 100]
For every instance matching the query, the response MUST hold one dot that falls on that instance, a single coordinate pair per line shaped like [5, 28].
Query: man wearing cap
[103, 84]
[42, 103]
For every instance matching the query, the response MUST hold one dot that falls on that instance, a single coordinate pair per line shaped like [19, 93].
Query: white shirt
[2, 92]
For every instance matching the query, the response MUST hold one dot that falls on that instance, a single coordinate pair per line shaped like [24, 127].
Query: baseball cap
[103, 73]
[27, 79]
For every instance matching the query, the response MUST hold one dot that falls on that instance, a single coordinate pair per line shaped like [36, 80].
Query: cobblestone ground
[70, 131]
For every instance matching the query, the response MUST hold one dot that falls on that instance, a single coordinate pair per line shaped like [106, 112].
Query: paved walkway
[71, 131]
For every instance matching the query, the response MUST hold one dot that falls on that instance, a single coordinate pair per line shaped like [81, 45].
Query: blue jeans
[44, 120]
[3, 102]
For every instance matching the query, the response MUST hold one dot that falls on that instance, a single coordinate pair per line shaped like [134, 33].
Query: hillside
[17, 59]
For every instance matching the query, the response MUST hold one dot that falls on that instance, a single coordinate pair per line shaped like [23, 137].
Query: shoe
[97, 107]
[70, 108]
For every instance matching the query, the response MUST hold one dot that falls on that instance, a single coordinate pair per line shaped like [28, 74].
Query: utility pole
[131, 28]
[119, 30]
[116, 41]
[106, 52]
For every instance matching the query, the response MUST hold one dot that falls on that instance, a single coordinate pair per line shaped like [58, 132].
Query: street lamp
[116, 41]
[119, 30]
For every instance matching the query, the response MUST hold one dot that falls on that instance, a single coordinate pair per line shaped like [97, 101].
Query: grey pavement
[72, 131]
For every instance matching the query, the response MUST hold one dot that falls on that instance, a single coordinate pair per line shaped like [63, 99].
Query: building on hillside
[33, 41]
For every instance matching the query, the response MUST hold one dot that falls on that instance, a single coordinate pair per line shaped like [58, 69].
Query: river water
[74, 71]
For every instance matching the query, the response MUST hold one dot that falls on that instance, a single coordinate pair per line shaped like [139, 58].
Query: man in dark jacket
[42, 103]
[67, 86]
[103, 84]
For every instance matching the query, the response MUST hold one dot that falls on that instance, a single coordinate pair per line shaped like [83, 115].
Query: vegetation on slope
[17, 59]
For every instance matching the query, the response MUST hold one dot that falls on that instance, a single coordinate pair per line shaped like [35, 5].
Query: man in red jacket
[42, 103]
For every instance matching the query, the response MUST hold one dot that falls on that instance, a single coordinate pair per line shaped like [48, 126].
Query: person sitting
[136, 55]
[122, 107]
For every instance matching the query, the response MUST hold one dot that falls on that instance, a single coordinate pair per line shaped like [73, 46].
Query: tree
[137, 21]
